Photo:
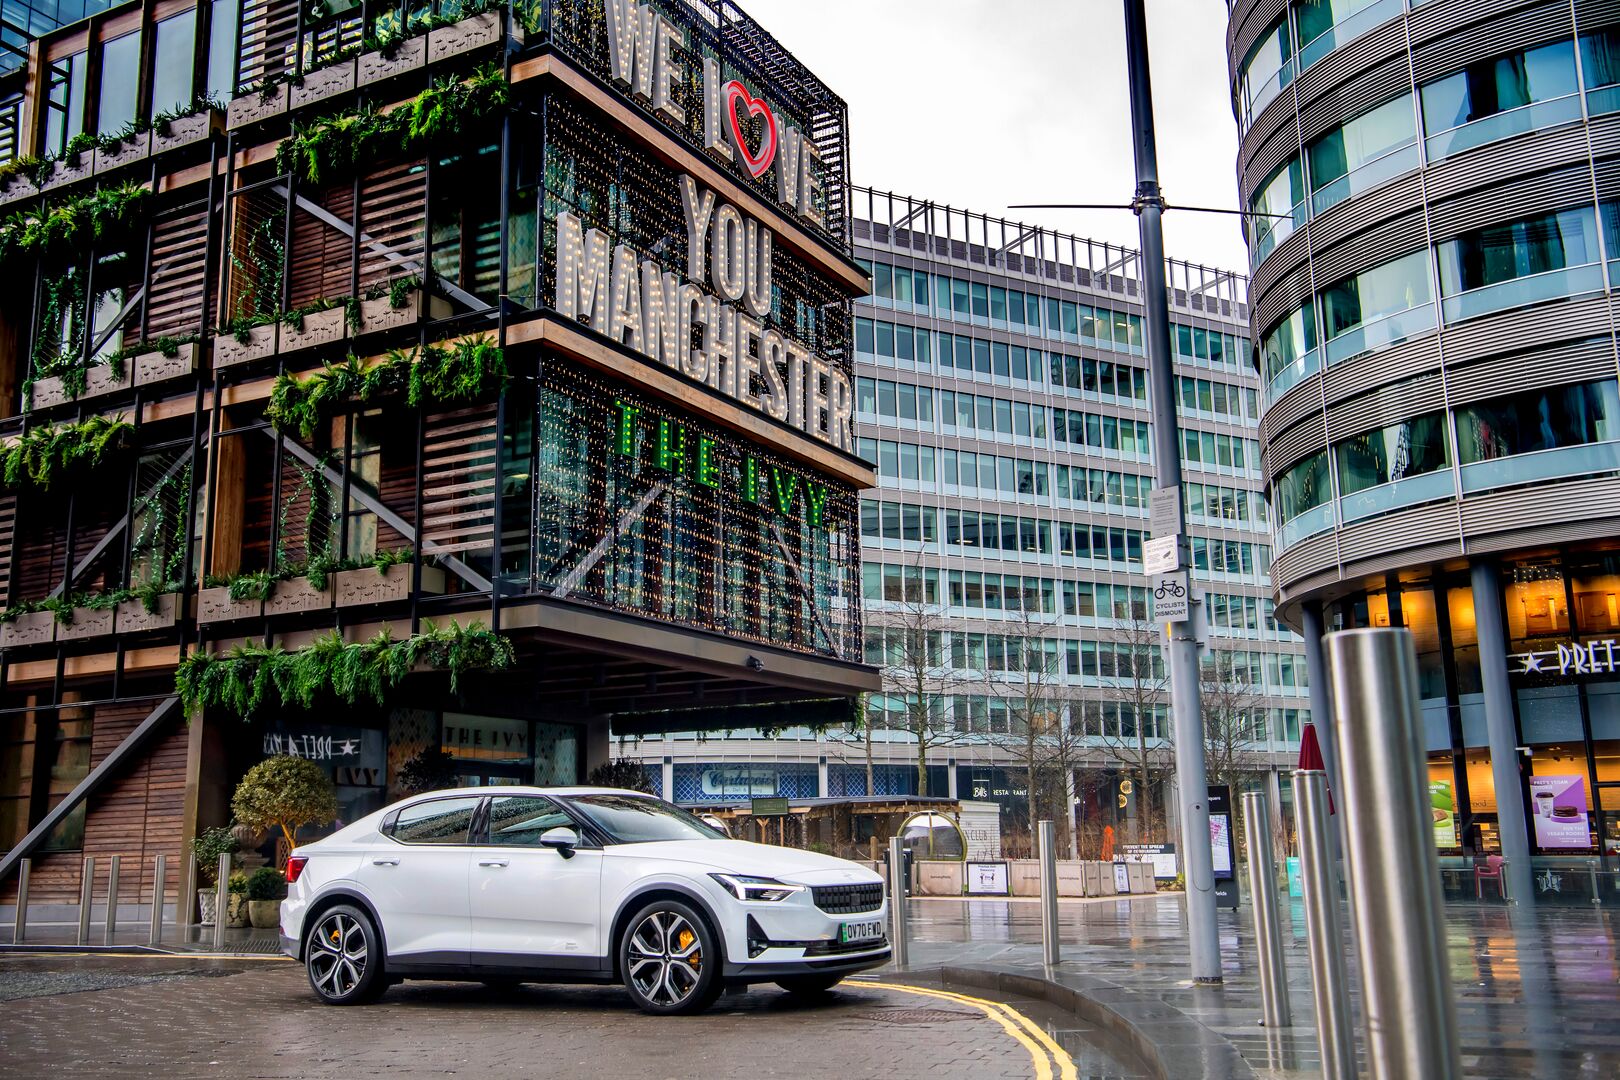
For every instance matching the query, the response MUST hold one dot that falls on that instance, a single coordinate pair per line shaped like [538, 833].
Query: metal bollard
[1267, 935]
[87, 899]
[222, 900]
[1050, 943]
[1507, 889]
[19, 929]
[1592, 869]
[111, 927]
[1320, 878]
[1408, 1010]
[897, 900]
[158, 867]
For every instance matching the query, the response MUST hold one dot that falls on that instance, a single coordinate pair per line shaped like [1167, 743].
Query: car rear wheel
[343, 958]
[670, 959]
[809, 985]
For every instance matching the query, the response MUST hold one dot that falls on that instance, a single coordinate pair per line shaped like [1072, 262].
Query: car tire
[502, 985]
[670, 959]
[343, 957]
[809, 985]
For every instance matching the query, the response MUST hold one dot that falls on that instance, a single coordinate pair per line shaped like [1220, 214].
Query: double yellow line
[1026, 1031]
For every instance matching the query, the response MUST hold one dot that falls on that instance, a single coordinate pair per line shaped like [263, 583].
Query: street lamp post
[1181, 644]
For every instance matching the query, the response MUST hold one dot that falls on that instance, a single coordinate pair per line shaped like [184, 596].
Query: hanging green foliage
[44, 453]
[434, 375]
[71, 225]
[328, 145]
[251, 676]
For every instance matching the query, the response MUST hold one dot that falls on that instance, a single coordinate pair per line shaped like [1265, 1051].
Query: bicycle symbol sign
[1169, 588]
[1170, 598]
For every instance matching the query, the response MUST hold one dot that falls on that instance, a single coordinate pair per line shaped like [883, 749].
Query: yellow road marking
[1014, 1022]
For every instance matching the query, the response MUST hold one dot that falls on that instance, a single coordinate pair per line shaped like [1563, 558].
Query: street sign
[1161, 555]
[1171, 598]
[1164, 511]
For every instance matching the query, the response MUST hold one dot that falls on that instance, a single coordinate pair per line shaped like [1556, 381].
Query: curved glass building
[1435, 199]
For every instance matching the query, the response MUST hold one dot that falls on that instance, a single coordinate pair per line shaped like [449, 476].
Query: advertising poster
[1220, 842]
[1443, 805]
[986, 879]
[1558, 806]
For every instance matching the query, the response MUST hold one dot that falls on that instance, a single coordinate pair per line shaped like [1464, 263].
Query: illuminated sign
[1577, 658]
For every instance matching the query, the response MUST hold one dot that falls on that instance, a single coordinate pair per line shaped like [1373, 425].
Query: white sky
[983, 103]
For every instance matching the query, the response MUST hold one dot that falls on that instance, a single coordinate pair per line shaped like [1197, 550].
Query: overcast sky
[983, 103]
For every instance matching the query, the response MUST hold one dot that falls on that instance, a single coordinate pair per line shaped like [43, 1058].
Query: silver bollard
[222, 900]
[1592, 869]
[111, 927]
[19, 928]
[1050, 943]
[1320, 877]
[87, 899]
[1408, 1009]
[897, 900]
[158, 867]
[1267, 935]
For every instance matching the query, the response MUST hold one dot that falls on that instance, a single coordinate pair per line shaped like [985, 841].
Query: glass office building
[1435, 192]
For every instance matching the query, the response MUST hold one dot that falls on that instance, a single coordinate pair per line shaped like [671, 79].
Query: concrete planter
[323, 83]
[939, 878]
[297, 595]
[380, 314]
[261, 342]
[154, 367]
[207, 902]
[133, 618]
[65, 174]
[374, 67]
[17, 188]
[47, 392]
[216, 605]
[256, 106]
[320, 328]
[87, 623]
[101, 380]
[466, 36]
[185, 131]
[129, 151]
[264, 914]
[367, 586]
[236, 910]
[36, 628]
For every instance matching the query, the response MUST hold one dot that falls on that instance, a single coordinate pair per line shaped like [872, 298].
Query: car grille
[848, 899]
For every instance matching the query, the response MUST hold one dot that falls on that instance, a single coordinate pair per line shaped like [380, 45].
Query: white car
[506, 884]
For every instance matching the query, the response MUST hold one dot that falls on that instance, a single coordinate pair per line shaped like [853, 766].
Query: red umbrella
[1310, 756]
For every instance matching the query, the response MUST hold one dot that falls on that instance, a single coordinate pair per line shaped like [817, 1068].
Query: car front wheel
[343, 958]
[670, 959]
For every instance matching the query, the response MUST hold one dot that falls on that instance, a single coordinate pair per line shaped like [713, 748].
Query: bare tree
[1132, 656]
[1034, 693]
[1231, 687]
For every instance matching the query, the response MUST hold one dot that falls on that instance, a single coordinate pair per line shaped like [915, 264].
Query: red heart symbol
[735, 92]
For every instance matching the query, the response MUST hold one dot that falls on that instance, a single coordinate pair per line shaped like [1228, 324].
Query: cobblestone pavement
[102, 1016]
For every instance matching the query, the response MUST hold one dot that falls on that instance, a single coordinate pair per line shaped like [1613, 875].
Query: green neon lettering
[750, 479]
[784, 494]
[627, 428]
[816, 500]
[671, 448]
[708, 470]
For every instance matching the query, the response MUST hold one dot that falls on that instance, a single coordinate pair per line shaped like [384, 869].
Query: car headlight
[744, 887]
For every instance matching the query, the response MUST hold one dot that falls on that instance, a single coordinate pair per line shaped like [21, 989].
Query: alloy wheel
[666, 958]
[337, 958]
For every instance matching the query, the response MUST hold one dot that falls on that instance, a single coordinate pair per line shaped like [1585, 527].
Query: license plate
[860, 931]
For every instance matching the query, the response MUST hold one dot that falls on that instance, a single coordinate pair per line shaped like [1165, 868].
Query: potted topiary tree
[427, 770]
[285, 793]
[266, 888]
[207, 846]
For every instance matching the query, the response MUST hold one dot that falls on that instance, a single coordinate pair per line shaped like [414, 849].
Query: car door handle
[492, 862]
[384, 862]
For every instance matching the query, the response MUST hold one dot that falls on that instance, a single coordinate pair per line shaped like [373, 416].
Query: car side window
[438, 821]
[520, 820]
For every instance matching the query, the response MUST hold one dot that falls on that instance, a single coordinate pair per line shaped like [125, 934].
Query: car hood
[761, 860]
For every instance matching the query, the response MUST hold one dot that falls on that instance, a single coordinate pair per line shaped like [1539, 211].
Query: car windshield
[629, 820]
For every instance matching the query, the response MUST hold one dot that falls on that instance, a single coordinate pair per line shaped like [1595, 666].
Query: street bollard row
[160, 865]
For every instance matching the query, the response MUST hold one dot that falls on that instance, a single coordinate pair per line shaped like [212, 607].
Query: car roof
[527, 789]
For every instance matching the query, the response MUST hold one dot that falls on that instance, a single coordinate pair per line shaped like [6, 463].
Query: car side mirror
[564, 839]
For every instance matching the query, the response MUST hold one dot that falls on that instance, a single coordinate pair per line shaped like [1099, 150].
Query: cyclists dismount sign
[1171, 597]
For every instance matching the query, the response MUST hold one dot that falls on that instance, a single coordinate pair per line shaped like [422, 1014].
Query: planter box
[101, 380]
[297, 595]
[133, 618]
[1071, 880]
[36, 628]
[186, 131]
[154, 367]
[87, 623]
[130, 150]
[323, 83]
[65, 174]
[380, 314]
[321, 328]
[261, 342]
[939, 878]
[367, 586]
[254, 106]
[216, 605]
[20, 187]
[47, 392]
[465, 36]
[1024, 877]
[374, 67]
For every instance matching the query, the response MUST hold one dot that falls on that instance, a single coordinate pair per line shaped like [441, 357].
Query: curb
[1169, 1043]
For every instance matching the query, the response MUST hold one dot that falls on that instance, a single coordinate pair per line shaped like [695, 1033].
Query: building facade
[462, 378]
[1002, 392]
[1434, 190]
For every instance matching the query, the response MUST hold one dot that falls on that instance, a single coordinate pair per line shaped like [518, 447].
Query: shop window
[1560, 797]
[1535, 600]
[1596, 581]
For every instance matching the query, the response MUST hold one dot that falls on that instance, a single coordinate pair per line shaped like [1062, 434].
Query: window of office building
[1543, 419]
[1387, 454]
[120, 82]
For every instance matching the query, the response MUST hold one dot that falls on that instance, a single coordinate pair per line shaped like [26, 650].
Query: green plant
[252, 675]
[623, 773]
[42, 454]
[252, 585]
[382, 560]
[286, 793]
[236, 884]
[268, 884]
[70, 225]
[208, 846]
[150, 593]
[427, 770]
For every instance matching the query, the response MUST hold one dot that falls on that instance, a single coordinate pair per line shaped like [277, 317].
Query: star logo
[1532, 662]
[1550, 883]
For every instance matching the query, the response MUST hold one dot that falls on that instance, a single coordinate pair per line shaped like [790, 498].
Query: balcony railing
[1316, 519]
[1591, 459]
[1348, 29]
[1380, 333]
[1296, 370]
[1518, 292]
[1397, 493]
[1366, 177]
[1533, 117]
